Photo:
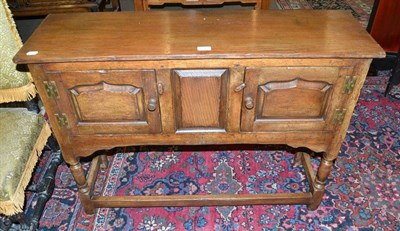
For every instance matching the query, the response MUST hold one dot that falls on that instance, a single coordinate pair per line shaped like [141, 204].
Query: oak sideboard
[197, 78]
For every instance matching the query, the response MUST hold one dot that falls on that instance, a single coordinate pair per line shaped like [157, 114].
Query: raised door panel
[290, 98]
[113, 98]
[109, 102]
[200, 100]
[280, 100]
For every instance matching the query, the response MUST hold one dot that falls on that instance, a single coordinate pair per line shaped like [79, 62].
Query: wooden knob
[249, 103]
[240, 87]
[152, 104]
[160, 88]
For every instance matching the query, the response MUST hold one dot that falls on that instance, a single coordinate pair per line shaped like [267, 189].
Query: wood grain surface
[172, 35]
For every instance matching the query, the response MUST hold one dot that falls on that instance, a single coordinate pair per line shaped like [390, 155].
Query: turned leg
[103, 162]
[264, 5]
[319, 183]
[297, 159]
[395, 77]
[116, 5]
[139, 6]
[84, 191]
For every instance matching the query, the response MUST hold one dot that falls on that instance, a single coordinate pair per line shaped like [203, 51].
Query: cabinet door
[200, 100]
[108, 102]
[290, 98]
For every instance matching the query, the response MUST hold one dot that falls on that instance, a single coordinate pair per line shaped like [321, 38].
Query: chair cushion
[14, 85]
[23, 135]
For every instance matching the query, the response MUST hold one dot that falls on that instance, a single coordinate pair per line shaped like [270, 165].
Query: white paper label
[204, 48]
[32, 53]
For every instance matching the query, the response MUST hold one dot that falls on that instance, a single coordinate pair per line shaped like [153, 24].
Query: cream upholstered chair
[23, 133]
[14, 85]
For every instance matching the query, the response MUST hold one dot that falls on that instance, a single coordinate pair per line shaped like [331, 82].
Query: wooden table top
[190, 34]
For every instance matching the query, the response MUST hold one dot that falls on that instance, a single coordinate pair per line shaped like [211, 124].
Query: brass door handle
[152, 104]
[249, 103]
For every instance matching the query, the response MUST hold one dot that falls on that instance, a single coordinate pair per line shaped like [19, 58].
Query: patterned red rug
[361, 9]
[362, 192]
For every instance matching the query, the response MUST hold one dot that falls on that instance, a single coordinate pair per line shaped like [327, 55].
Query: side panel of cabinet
[200, 99]
[291, 98]
[109, 102]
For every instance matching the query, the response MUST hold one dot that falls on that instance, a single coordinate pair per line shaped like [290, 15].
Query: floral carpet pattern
[362, 192]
